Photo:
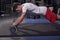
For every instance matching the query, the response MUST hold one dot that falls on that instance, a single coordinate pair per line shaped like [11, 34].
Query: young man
[48, 14]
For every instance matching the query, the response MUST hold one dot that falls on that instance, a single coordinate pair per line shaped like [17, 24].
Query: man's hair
[15, 6]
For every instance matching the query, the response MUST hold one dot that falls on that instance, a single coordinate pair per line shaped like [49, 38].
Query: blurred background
[5, 6]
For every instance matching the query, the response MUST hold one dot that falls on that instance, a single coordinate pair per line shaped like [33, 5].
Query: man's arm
[19, 19]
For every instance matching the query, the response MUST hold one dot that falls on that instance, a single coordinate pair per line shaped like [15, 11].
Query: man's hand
[19, 19]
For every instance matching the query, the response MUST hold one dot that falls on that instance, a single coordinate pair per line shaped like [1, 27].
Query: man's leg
[58, 16]
[51, 16]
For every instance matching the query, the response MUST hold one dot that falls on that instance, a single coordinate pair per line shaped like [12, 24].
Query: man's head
[17, 7]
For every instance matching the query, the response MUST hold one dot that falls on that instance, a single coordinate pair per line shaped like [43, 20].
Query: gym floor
[29, 27]
[32, 38]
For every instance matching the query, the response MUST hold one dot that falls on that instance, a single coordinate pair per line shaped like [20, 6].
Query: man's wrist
[14, 24]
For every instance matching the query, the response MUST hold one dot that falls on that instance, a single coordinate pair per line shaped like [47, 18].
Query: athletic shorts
[51, 16]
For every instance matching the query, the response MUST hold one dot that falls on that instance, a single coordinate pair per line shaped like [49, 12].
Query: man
[46, 12]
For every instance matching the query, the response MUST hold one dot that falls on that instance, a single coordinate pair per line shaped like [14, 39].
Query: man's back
[34, 8]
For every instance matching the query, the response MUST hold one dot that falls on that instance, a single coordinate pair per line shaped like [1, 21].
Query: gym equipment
[13, 30]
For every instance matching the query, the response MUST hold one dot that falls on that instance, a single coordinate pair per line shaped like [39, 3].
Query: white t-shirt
[34, 8]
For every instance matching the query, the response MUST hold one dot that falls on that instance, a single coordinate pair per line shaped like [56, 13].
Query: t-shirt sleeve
[24, 9]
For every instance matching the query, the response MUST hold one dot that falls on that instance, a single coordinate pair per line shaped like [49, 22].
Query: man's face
[19, 8]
